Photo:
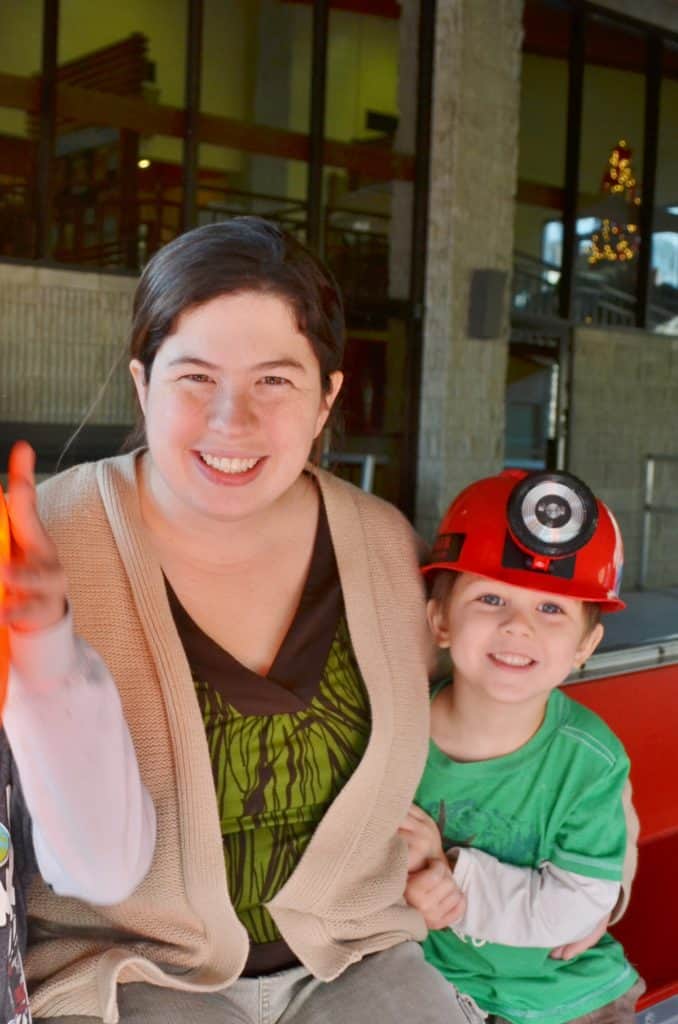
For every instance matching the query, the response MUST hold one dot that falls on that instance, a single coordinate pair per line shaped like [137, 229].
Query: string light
[615, 241]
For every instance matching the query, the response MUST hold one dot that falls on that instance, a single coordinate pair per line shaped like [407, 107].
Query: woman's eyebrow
[284, 361]
[193, 359]
[269, 364]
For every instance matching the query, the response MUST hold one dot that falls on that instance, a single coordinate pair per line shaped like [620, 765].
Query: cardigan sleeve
[93, 820]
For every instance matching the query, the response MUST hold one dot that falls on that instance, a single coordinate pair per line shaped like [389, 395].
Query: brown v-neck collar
[294, 677]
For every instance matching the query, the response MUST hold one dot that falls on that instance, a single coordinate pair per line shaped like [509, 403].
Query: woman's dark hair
[244, 254]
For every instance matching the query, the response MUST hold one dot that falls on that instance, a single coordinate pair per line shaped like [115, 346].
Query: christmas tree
[617, 239]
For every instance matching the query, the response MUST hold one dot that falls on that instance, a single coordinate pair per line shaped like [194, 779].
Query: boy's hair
[443, 583]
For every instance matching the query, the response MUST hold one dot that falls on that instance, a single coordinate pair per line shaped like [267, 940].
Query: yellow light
[143, 164]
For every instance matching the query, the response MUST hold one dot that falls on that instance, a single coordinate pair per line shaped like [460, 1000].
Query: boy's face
[509, 644]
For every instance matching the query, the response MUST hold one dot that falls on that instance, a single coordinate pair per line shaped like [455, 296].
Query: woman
[264, 624]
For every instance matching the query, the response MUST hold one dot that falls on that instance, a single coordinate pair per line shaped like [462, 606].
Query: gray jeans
[393, 987]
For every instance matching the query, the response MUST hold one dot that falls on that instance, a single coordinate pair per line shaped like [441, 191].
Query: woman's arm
[93, 820]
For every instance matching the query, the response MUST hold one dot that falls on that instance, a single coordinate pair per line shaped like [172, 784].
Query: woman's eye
[274, 381]
[550, 609]
[197, 378]
[493, 599]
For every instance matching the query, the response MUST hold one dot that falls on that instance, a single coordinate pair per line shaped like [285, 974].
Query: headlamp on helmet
[544, 531]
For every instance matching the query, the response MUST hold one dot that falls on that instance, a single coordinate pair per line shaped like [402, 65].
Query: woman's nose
[231, 409]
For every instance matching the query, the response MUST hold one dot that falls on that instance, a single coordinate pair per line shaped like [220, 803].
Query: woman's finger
[22, 613]
[454, 910]
[417, 814]
[47, 579]
[28, 614]
[425, 881]
[28, 533]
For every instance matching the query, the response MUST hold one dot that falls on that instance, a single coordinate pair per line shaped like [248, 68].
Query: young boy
[72, 803]
[524, 785]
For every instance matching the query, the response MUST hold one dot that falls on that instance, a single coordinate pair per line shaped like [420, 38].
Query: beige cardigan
[344, 899]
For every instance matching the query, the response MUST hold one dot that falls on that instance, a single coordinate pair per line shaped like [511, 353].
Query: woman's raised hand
[35, 583]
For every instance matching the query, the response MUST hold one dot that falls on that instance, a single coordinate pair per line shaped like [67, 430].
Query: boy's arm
[518, 906]
[93, 820]
[568, 895]
[631, 854]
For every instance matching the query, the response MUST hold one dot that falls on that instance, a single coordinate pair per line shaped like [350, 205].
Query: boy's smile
[509, 644]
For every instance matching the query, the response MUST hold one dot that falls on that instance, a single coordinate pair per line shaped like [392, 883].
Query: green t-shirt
[556, 799]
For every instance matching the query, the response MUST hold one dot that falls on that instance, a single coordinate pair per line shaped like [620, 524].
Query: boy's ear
[588, 645]
[437, 622]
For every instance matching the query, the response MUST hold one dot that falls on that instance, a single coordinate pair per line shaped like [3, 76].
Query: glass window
[367, 202]
[20, 56]
[256, 86]
[117, 174]
[663, 298]
[610, 174]
[541, 159]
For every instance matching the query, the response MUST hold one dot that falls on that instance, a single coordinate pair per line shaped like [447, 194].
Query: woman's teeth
[228, 465]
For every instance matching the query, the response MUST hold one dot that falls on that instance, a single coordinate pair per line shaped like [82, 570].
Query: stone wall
[473, 176]
[625, 387]
[62, 333]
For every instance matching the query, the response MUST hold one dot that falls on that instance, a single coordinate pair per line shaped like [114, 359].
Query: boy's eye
[550, 608]
[274, 381]
[493, 599]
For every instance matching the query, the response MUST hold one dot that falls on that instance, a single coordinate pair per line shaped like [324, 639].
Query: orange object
[4, 632]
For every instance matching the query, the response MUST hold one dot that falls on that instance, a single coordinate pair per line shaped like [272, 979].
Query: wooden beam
[19, 93]
[135, 114]
[533, 193]
[377, 8]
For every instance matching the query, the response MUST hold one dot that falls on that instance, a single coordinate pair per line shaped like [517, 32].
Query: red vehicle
[633, 685]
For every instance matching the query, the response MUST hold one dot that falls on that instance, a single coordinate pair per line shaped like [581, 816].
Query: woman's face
[232, 407]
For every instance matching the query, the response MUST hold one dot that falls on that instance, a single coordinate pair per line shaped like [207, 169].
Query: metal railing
[596, 301]
[368, 462]
[649, 510]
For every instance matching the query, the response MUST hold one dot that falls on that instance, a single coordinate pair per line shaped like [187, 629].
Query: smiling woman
[277, 693]
[231, 429]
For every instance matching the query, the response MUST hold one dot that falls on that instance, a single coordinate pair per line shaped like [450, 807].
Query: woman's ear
[588, 645]
[138, 371]
[437, 621]
[328, 399]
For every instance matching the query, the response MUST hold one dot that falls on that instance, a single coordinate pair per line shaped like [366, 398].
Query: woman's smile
[227, 470]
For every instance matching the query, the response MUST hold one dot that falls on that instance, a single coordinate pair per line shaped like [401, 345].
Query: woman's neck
[467, 727]
[212, 545]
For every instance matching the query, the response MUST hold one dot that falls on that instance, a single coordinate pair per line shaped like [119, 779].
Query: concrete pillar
[473, 179]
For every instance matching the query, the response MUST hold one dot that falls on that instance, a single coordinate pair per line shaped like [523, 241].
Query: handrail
[649, 509]
[368, 461]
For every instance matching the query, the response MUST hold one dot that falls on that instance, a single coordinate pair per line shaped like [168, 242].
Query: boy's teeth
[517, 660]
[228, 465]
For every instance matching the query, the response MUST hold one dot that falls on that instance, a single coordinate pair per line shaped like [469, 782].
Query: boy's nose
[518, 623]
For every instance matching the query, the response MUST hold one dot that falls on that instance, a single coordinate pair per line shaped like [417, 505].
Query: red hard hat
[544, 531]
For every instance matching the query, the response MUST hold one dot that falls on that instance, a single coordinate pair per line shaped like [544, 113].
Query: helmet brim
[527, 580]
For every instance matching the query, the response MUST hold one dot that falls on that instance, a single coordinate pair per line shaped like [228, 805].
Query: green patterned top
[276, 775]
[281, 745]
